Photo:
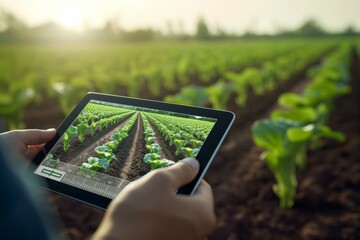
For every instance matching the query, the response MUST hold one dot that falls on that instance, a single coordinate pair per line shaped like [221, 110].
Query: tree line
[15, 30]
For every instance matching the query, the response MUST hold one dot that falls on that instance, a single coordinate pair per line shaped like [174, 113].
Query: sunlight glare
[70, 16]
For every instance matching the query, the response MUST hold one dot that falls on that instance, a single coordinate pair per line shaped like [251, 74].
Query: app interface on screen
[109, 145]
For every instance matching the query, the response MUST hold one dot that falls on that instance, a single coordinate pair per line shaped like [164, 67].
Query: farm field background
[41, 83]
[59, 75]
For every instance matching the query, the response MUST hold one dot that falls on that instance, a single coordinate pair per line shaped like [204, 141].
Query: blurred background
[53, 52]
[238, 55]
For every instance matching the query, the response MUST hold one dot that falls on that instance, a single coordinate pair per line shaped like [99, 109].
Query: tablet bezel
[224, 120]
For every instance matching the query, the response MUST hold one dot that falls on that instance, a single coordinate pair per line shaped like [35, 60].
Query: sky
[236, 16]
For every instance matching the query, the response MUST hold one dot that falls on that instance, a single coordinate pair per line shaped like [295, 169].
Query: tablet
[108, 141]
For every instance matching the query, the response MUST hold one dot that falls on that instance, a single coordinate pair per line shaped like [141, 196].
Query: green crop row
[93, 117]
[153, 157]
[301, 123]
[189, 128]
[34, 74]
[184, 141]
[105, 153]
[260, 80]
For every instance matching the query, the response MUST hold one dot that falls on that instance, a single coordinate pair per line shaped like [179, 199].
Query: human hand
[29, 142]
[149, 208]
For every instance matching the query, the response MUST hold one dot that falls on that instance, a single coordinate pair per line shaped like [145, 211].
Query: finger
[204, 192]
[202, 202]
[33, 150]
[33, 136]
[182, 172]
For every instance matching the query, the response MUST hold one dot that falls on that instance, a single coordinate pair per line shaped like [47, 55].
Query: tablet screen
[108, 145]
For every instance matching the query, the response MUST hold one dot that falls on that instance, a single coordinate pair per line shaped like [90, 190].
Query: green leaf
[66, 141]
[81, 128]
[149, 140]
[300, 134]
[93, 160]
[219, 94]
[327, 132]
[291, 100]
[112, 145]
[103, 163]
[155, 148]
[151, 156]
[303, 114]
[102, 148]
[270, 134]
[197, 143]
[93, 128]
[195, 152]
[155, 164]
[190, 95]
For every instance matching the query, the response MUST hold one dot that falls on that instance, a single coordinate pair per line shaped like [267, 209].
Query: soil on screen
[328, 197]
[129, 164]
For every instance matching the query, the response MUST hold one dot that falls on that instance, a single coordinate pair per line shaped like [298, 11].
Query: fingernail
[193, 163]
[50, 129]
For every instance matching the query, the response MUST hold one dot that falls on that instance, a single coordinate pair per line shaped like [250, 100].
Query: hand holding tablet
[109, 141]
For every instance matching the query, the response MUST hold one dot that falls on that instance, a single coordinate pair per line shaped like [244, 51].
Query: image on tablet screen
[109, 145]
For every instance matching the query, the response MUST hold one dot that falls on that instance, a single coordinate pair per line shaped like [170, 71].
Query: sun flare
[70, 16]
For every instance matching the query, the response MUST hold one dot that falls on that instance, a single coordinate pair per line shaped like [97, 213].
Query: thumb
[34, 136]
[182, 172]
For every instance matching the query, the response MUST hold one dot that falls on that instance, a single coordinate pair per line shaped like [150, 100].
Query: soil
[327, 202]
[129, 164]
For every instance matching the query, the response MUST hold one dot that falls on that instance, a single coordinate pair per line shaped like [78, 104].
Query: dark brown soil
[129, 164]
[328, 196]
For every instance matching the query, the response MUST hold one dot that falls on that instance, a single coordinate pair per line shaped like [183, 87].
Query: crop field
[289, 168]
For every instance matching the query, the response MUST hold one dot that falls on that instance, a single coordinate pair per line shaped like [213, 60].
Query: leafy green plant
[119, 135]
[299, 125]
[197, 143]
[173, 138]
[219, 94]
[281, 152]
[155, 164]
[149, 132]
[96, 164]
[105, 152]
[151, 156]
[154, 148]
[93, 128]
[191, 152]
[112, 145]
[249, 77]
[103, 124]
[189, 95]
[50, 161]
[11, 105]
[81, 128]
[179, 145]
[68, 135]
[149, 140]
